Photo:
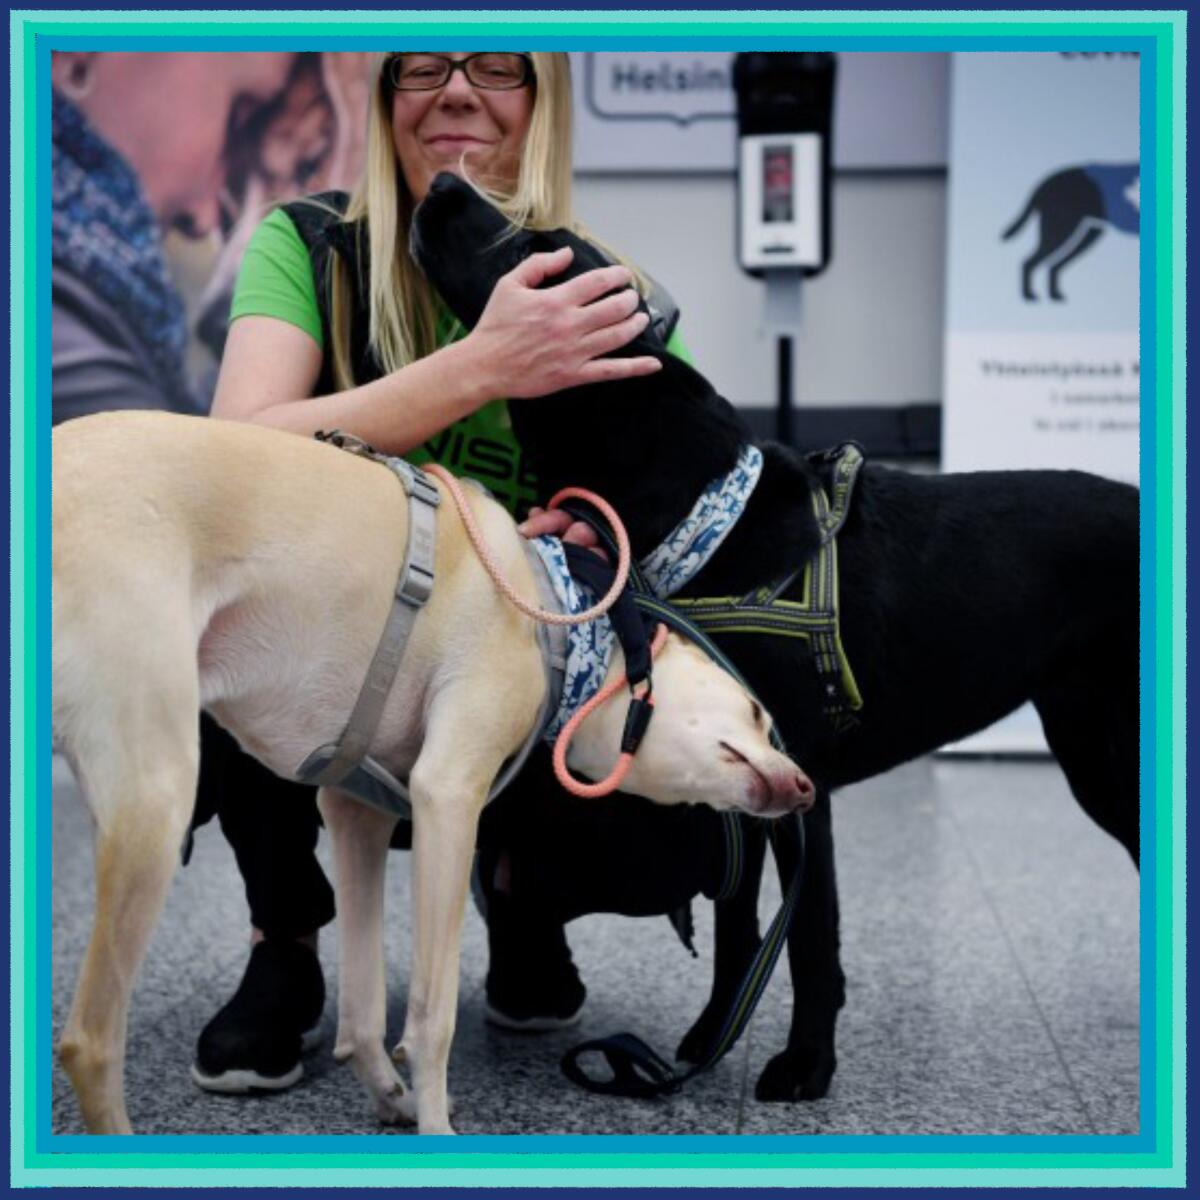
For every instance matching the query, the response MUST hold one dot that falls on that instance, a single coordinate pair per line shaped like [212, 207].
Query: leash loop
[645, 705]
[637, 1071]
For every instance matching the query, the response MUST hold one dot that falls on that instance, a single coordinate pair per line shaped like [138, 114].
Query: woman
[333, 327]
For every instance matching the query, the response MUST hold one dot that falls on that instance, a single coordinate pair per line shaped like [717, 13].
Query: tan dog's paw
[397, 1107]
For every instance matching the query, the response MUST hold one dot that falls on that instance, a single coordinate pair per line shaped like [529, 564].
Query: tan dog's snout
[774, 784]
[709, 743]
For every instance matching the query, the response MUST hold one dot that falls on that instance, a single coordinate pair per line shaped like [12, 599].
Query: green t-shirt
[276, 280]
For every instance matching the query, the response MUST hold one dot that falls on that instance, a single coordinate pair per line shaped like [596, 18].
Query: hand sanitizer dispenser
[785, 114]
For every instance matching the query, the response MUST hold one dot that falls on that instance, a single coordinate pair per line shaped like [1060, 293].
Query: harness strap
[814, 617]
[414, 586]
[847, 459]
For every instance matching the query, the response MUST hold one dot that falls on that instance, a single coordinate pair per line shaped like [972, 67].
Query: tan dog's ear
[73, 72]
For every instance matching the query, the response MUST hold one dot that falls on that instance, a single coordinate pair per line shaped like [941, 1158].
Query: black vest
[466, 449]
[324, 233]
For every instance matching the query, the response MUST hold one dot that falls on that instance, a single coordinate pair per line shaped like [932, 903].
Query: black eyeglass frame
[528, 75]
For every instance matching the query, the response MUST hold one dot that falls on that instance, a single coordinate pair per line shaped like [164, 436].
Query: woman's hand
[532, 341]
[560, 524]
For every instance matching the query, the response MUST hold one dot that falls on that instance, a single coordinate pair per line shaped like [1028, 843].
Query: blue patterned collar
[694, 541]
[589, 646]
[696, 538]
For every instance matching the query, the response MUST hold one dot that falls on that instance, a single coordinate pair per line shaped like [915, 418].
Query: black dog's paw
[698, 1040]
[796, 1075]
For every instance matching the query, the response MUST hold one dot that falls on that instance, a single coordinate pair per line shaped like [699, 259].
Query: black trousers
[615, 854]
[272, 826]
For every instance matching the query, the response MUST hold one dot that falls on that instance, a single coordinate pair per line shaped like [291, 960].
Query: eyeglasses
[491, 71]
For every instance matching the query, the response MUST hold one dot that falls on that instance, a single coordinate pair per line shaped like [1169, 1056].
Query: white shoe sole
[238, 1083]
[530, 1024]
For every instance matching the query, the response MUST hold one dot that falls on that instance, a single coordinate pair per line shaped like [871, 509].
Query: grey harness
[345, 763]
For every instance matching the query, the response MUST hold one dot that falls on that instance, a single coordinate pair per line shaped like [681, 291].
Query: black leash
[638, 1071]
[635, 1069]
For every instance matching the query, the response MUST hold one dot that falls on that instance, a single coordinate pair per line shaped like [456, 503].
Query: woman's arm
[530, 341]
[270, 367]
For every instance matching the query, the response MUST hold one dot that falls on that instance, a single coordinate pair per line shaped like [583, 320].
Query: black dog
[961, 597]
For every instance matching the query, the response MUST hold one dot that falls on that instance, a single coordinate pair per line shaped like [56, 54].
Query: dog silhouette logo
[1075, 206]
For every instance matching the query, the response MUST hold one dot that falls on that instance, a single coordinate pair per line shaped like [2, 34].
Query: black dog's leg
[804, 1069]
[1089, 713]
[735, 942]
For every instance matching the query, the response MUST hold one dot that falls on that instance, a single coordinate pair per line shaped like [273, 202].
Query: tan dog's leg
[449, 786]
[139, 774]
[444, 825]
[359, 836]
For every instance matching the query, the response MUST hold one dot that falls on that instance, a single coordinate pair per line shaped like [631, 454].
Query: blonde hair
[403, 306]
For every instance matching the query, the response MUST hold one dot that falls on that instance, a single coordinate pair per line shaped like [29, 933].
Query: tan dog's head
[708, 742]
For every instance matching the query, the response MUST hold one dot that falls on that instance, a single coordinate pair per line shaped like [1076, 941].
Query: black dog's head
[464, 245]
[612, 436]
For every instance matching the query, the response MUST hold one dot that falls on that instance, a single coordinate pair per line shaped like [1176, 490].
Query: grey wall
[870, 330]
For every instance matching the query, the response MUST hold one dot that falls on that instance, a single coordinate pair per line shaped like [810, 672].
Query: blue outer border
[1117, 1146]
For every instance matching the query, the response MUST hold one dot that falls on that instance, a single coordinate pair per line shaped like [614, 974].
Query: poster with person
[162, 165]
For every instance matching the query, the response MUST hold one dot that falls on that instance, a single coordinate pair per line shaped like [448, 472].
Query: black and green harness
[814, 616]
[635, 1069]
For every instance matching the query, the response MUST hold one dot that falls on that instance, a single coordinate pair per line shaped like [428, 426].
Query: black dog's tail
[1026, 213]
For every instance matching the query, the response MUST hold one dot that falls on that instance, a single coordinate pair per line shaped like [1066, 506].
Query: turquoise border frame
[1153, 1157]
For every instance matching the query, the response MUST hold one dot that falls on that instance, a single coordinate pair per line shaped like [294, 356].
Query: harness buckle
[414, 481]
[420, 485]
[346, 441]
[415, 586]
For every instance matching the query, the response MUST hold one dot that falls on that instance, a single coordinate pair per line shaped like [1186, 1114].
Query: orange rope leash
[563, 741]
[493, 569]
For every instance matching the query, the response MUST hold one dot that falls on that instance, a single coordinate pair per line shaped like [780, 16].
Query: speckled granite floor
[990, 939]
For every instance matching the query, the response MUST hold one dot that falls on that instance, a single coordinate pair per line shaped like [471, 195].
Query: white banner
[1042, 400]
[1041, 355]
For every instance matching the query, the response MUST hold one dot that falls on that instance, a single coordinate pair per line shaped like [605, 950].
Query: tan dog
[204, 564]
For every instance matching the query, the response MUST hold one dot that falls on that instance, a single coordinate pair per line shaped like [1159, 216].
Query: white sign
[664, 111]
[1042, 400]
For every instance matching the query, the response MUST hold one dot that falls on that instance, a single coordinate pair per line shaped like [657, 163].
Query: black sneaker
[255, 1041]
[532, 983]
[539, 1010]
